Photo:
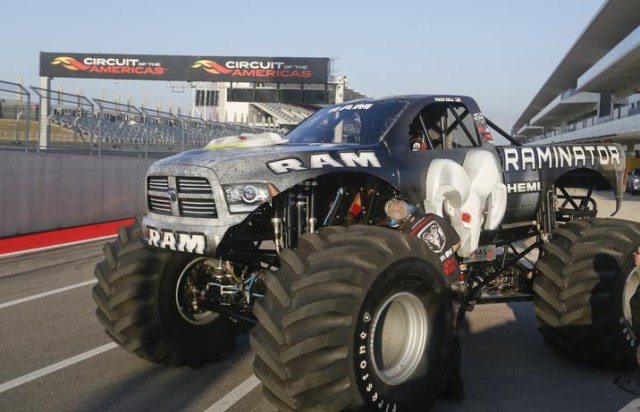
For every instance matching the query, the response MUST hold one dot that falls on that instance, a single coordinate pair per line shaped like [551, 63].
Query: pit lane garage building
[594, 92]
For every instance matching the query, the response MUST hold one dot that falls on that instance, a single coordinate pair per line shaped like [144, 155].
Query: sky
[500, 52]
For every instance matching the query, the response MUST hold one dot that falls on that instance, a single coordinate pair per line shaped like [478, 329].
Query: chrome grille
[160, 183]
[198, 208]
[198, 185]
[192, 196]
[160, 204]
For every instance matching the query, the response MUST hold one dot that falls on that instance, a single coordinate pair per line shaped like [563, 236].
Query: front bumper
[175, 194]
[200, 236]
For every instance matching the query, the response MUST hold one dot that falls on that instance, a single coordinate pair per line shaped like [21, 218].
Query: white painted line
[43, 294]
[55, 367]
[61, 245]
[632, 406]
[235, 395]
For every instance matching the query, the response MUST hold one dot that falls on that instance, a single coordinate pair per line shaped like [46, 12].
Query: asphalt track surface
[54, 356]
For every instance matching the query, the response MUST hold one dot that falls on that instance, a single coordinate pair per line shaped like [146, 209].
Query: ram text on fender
[325, 160]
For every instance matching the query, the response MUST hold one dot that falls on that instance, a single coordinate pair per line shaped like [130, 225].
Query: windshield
[354, 123]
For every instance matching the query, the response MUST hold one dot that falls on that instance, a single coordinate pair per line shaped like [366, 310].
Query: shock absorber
[547, 214]
[290, 221]
[310, 191]
[301, 203]
[276, 221]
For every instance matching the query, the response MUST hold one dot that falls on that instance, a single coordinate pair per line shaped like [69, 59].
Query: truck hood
[247, 146]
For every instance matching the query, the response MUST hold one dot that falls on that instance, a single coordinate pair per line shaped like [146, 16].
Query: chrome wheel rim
[398, 337]
[191, 282]
[630, 287]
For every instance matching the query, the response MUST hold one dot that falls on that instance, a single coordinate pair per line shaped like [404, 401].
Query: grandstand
[594, 92]
[215, 100]
[280, 114]
[286, 116]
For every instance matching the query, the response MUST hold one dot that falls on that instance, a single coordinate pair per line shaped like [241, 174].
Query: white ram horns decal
[472, 195]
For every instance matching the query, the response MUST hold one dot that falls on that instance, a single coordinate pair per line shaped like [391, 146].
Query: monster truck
[287, 237]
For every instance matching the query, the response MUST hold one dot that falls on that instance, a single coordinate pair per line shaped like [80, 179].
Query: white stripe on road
[221, 405]
[235, 395]
[632, 406]
[55, 367]
[44, 294]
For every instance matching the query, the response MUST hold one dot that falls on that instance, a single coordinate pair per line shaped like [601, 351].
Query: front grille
[193, 196]
[160, 183]
[160, 204]
[198, 208]
[198, 185]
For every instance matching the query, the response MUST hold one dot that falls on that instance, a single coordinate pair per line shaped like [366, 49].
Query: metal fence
[16, 113]
[94, 126]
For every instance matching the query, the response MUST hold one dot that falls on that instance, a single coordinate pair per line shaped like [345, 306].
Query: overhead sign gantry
[243, 73]
[186, 68]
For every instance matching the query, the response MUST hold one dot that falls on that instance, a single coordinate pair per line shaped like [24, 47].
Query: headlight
[245, 197]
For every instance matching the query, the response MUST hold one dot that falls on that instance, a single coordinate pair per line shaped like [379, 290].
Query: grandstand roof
[612, 23]
[351, 94]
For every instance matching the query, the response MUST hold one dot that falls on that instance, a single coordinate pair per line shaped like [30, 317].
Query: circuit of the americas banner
[186, 68]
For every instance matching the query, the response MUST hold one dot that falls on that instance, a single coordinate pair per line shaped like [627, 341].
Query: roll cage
[445, 122]
[452, 125]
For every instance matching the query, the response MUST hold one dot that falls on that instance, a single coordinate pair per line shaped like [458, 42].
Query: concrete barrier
[40, 191]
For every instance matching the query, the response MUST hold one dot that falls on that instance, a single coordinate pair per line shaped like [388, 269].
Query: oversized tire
[139, 295]
[355, 318]
[582, 289]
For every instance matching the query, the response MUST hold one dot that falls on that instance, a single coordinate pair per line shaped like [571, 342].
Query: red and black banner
[186, 68]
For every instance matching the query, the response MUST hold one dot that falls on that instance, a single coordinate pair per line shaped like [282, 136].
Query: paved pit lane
[54, 356]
